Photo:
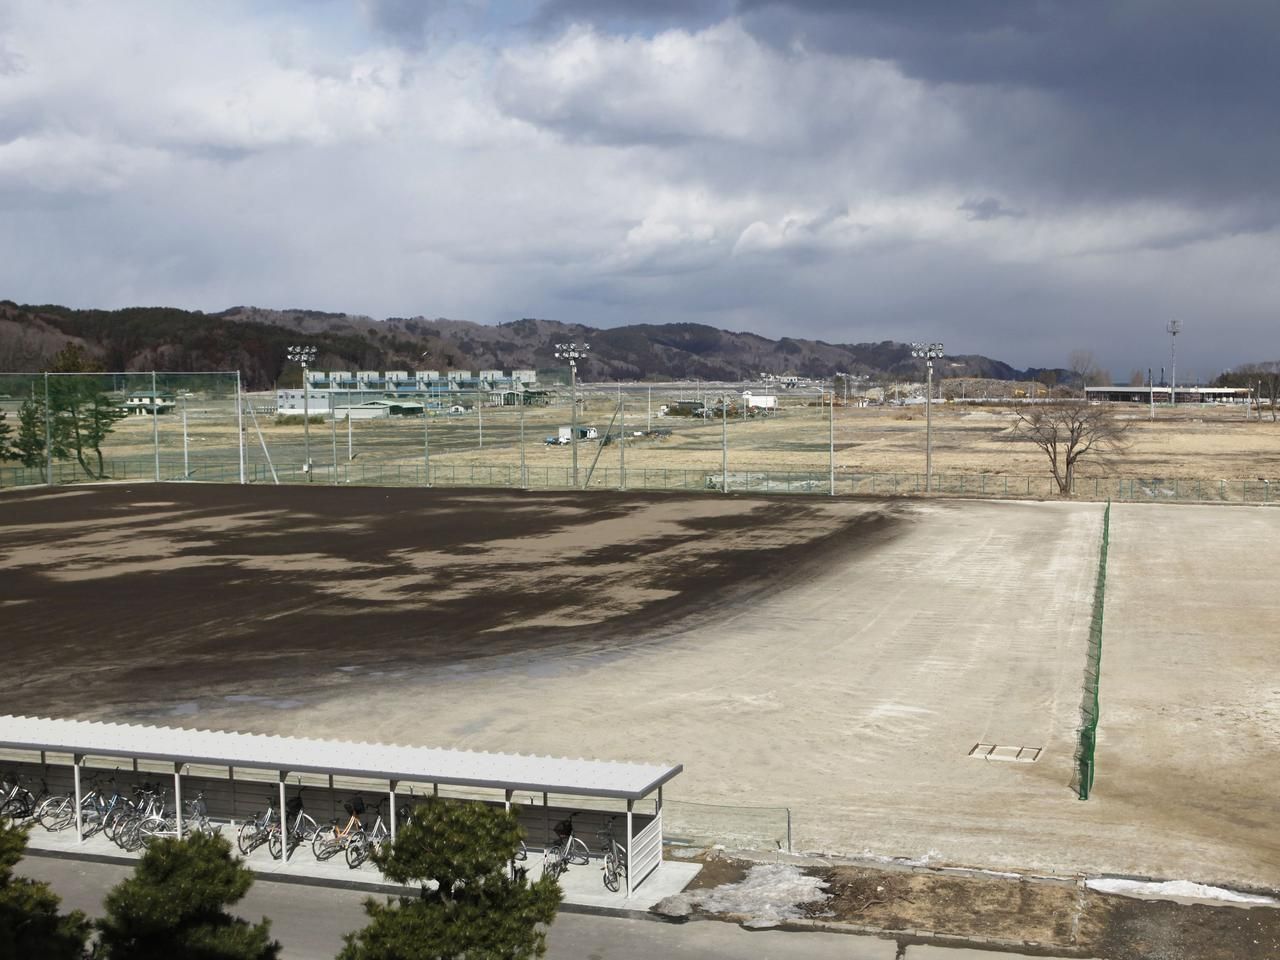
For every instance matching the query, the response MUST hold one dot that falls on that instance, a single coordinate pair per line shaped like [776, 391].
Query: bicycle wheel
[325, 843]
[57, 814]
[16, 808]
[307, 827]
[152, 827]
[522, 852]
[611, 871]
[249, 836]
[274, 846]
[578, 852]
[357, 852]
[111, 822]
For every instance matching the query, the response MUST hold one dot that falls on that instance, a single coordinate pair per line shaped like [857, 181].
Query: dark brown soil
[116, 594]
[1053, 918]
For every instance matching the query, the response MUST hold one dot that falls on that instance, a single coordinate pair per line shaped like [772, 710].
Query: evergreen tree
[175, 904]
[30, 925]
[6, 445]
[28, 448]
[477, 910]
[82, 414]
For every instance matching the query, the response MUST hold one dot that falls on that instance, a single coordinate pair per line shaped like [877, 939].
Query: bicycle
[333, 837]
[301, 827]
[59, 812]
[364, 843]
[254, 831]
[17, 801]
[566, 849]
[615, 857]
[122, 828]
[195, 819]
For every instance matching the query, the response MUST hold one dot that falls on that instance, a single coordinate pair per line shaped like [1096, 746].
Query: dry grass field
[1206, 444]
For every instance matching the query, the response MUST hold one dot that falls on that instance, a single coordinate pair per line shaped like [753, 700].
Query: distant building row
[417, 380]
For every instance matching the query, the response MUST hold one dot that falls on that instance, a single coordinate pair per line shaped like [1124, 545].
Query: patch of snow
[768, 894]
[1177, 888]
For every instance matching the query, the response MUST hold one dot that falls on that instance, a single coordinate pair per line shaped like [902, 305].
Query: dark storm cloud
[625, 14]
[1072, 100]
[1146, 97]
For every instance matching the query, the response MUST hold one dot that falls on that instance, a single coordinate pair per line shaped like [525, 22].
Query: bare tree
[1137, 378]
[1084, 368]
[1067, 432]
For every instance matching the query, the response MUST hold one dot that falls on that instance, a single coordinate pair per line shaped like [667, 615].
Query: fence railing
[745, 480]
[743, 827]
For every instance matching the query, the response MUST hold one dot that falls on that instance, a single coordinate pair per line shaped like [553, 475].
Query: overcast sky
[1020, 179]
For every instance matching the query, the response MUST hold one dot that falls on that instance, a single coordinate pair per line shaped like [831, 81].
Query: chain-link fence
[737, 827]
[66, 428]
[1088, 738]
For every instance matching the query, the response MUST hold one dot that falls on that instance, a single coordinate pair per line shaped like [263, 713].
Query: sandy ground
[841, 663]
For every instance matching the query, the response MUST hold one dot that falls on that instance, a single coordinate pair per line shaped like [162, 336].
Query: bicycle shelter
[205, 754]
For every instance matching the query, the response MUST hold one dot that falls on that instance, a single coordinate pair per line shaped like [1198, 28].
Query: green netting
[1088, 739]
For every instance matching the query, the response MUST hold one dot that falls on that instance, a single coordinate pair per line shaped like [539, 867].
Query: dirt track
[187, 592]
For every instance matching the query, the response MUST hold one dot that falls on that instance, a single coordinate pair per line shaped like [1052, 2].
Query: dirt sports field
[840, 657]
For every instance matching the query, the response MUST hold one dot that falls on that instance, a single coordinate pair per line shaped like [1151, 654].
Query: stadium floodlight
[304, 355]
[573, 352]
[928, 352]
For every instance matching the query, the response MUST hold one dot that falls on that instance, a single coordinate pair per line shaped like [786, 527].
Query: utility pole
[333, 431]
[1151, 390]
[524, 473]
[573, 353]
[186, 462]
[622, 441]
[649, 425]
[1174, 327]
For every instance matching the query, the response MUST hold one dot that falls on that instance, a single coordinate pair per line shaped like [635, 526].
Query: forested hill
[254, 341]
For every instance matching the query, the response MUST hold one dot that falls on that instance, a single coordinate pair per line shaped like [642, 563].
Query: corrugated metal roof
[589, 778]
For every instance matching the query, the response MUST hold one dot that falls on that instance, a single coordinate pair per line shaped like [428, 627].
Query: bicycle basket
[354, 806]
[564, 828]
[294, 806]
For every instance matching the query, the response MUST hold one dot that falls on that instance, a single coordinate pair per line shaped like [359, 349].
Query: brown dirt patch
[182, 590]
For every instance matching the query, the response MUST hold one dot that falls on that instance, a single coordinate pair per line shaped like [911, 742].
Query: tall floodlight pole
[186, 461]
[928, 352]
[573, 353]
[333, 432]
[304, 355]
[1174, 327]
[1151, 393]
[524, 474]
[479, 417]
[649, 424]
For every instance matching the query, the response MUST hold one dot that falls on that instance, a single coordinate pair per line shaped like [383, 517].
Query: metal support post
[524, 473]
[928, 432]
[77, 759]
[186, 461]
[832, 440]
[155, 422]
[350, 447]
[333, 431]
[649, 425]
[724, 488]
[284, 821]
[177, 797]
[622, 441]
[426, 446]
[630, 844]
[306, 422]
[391, 803]
[573, 437]
[48, 436]
[240, 424]
[479, 418]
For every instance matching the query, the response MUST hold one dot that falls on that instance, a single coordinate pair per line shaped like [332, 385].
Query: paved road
[310, 922]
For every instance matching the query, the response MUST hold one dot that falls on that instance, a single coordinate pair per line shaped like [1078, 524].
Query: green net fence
[1088, 740]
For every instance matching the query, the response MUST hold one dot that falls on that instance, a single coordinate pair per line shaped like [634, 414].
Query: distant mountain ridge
[254, 340]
